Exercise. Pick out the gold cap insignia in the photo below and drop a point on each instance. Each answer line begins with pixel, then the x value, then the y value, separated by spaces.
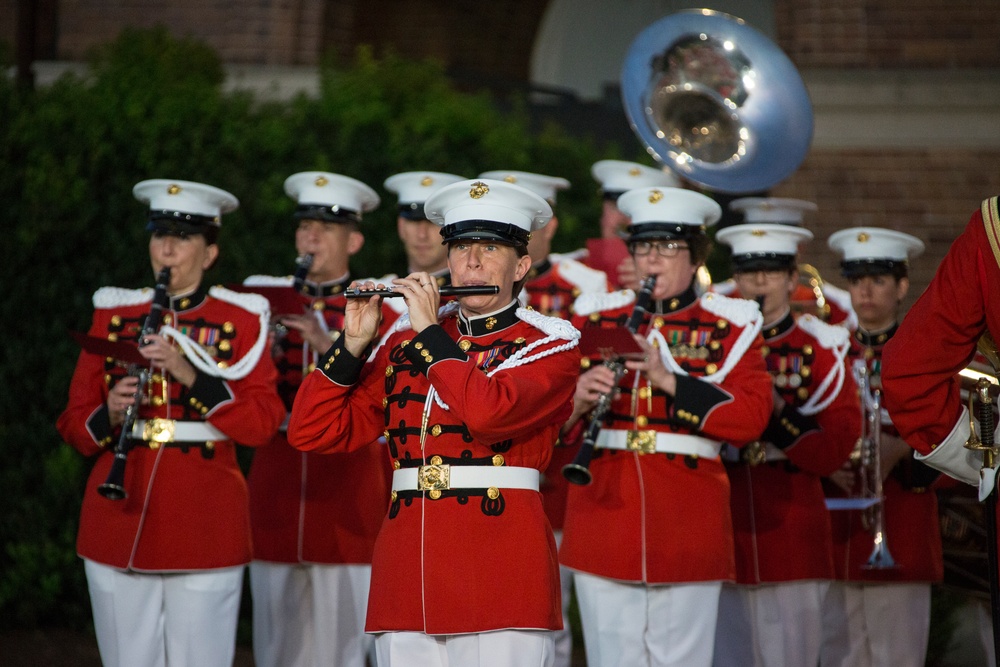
pixel 634 171
pixel 426 180
pixel 863 237
pixel 510 178
pixel 478 190
pixel 490 323
pixel 758 232
pixel 655 196
pixel 174 189
pixel 321 181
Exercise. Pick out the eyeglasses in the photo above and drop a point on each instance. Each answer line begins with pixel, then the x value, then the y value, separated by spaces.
pixel 663 248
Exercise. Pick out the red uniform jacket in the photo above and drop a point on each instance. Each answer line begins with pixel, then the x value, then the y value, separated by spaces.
pixel 832 305
pixel 552 287
pixel 187 508
pixel 912 530
pixel 307 508
pixel 663 517
pixel 779 508
pixel 464 562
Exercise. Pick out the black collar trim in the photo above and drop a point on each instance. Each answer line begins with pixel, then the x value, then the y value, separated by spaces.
pixel 187 301
pixel 491 323
pixel 782 327
pixel 676 303
pixel 875 338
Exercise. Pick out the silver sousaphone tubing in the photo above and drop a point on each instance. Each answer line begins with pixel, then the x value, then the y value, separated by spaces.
pixel 717 102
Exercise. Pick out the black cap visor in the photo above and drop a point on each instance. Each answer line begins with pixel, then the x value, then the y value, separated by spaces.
pixel 485 230
pixel 859 268
pixel 762 261
pixel 326 213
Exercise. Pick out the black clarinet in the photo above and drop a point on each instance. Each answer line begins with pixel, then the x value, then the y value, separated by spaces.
pixel 113 487
pixel 578 471
pixel 303 263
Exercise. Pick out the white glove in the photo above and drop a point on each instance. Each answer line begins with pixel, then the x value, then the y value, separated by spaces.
pixel 953 459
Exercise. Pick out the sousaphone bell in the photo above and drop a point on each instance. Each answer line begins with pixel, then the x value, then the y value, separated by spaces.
pixel 717 102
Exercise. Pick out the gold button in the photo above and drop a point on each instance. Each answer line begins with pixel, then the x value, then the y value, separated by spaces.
pixel 658 323
pixel 765 350
pixel 385 434
pixel 209 445
pixel 802 393
pixel 493 493
pixel 107 378
pixel 167 319
pixel 185 303
pixel 405 343
pixel 396 465
pixel 436 460
pixel 805 371
pixel 388 371
pixel 436 430
pixel 594 317
pixel 641 421
pixel 584 363
pixel 157 400
pixel 153 444
pixel 228 327
pixel 318 305
pixel 392 497
pixel 519 340
pixel 336 353
pixel 224 346
pixel 434 494
pixel 429 358
pixel 714 345
pixel 418 346
pixel 721 324
pixel 807 349
pixel 465 345
pixel 385 402
pixel 674 303
pixel 311 367
pixel 116 320
pixel 711 368
pixel 644 392
pixel 498 459
pixel 695 419
pixel 222 364
pixel 112 337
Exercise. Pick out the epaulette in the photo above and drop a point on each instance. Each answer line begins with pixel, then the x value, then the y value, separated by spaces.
pixel 829 336
pixel 725 288
pixel 594 302
pixel 268 281
pixel 582 276
pixel 548 325
pixel 740 312
pixel 578 254
pixel 842 299
pixel 255 303
pixel 114 297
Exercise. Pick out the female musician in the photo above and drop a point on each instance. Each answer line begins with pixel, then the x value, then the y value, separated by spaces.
pixel 165 564
pixel 464 570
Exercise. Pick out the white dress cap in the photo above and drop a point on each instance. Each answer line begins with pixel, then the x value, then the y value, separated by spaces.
pixel 486 209
pixel 545 187
pixel 185 198
pixel 414 187
pixel 617 176
pixel 344 197
pixel 874 243
pixel 763 246
pixel 772 209
pixel 673 205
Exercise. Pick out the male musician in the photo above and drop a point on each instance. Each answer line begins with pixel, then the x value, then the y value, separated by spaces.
pixel 608 253
pixel 832 304
pixel 421 238
pixel 650 539
pixel 784 558
pixel 165 564
pixel 937 339
pixel 315 518
pixel 465 569
pixel 553 283
pixel 881 616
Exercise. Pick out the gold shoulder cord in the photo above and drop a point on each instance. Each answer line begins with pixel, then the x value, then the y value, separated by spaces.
pixel 991 220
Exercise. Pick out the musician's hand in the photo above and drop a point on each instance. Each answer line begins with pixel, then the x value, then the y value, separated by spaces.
pixel 652 367
pixel 362 319
pixel 309 327
pixel 628 277
pixel 893 449
pixel 422 299
pixel 845 479
pixel 120 397
pixel 164 355
pixel 589 388
pixel 779 402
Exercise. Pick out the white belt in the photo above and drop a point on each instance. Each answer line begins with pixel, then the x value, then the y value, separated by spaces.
pixel 445 476
pixel 649 442
pixel 172 430
pixel 753 453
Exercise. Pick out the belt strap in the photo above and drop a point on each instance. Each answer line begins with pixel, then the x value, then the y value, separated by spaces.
pixel 754 453
pixel 173 430
pixel 649 442
pixel 444 476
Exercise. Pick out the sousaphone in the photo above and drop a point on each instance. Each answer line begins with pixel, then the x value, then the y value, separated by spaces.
pixel 717 102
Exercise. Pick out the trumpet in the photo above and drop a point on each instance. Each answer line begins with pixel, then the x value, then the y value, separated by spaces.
pixel 447 290
pixel 870 469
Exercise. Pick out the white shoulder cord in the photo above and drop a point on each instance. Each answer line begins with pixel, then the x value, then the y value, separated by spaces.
pixel 735 353
pixel 204 362
pixel 817 402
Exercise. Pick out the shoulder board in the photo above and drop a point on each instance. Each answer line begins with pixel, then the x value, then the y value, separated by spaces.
pixel 593 302
pixel 583 277
pixel 741 312
pixel 255 303
pixel 113 297
pixel 990 210
pixel 829 336
pixel 550 326
pixel 268 281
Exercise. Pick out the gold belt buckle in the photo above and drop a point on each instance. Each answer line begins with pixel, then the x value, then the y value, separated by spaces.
pixel 643 442
pixel 434 478
pixel 755 453
pixel 158 430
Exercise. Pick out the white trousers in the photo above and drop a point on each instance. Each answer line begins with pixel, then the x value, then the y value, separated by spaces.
pixel 310 615
pixel 564 637
pixel 876 625
pixel 500 648
pixel 165 620
pixel 635 625
pixel 772 625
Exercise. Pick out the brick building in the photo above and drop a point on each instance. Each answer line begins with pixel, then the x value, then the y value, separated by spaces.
pixel 904 91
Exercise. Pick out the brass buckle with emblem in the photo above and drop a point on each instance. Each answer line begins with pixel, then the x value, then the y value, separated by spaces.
pixel 434 479
pixel 754 453
pixel 643 442
pixel 158 431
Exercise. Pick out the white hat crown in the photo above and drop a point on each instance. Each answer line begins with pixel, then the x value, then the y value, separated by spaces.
pixel 621 176
pixel 544 186
pixel 186 197
pixel 669 205
pixel 321 188
pixel 414 187
pixel 773 209
pixel 875 243
pixel 495 204
pixel 752 239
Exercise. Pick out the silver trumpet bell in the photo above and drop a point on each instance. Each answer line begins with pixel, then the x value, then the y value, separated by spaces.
pixel 716 101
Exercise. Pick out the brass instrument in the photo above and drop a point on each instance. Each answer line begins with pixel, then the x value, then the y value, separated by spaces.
pixel 113 487
pixel 716 101
pixel 870 469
